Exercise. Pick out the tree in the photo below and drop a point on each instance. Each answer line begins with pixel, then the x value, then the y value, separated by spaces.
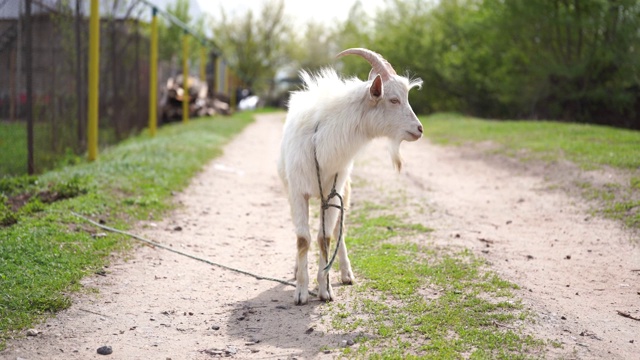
pixel 170 35
pixel 255 45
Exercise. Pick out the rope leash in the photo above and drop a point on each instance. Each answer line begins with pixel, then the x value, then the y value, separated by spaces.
pixel 153 243
pixel 325 206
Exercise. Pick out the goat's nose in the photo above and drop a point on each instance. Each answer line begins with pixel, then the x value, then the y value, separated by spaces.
pixel 420 128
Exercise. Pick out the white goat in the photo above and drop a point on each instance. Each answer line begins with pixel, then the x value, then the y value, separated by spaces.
pixel 332 119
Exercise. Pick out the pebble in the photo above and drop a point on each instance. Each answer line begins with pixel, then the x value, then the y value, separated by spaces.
pixel 105 350
pixel 215 327
pixel 32 332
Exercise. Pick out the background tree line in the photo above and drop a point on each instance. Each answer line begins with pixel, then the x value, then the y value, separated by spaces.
pixel 570 60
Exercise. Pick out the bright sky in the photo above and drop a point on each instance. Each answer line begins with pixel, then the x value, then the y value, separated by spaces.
pixel 301 11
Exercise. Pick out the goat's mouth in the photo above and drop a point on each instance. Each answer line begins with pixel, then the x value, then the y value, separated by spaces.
pixel 413 136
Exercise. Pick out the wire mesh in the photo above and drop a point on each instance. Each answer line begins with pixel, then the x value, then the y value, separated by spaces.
pixel 59 72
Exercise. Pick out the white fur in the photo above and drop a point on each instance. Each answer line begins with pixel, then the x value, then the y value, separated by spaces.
pixel 348 115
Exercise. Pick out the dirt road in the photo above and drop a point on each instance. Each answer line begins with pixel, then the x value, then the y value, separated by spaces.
pixel 574 270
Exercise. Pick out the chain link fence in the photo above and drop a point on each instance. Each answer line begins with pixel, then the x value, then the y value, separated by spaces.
pixel 59 53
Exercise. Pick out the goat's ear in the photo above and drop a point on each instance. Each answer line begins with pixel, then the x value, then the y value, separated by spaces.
pixel 376 90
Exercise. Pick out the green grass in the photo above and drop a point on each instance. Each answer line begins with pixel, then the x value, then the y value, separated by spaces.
pixel 585 145
pixel 416 302
pixel 46 251
pixel 589 146
pixel 13 147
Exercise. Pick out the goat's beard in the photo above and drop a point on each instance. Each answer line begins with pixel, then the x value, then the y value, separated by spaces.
pixel 394 151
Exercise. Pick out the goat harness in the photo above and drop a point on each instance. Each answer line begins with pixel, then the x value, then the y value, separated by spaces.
pixel 325 206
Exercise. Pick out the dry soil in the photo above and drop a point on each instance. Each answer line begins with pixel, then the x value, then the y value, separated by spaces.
pixel 575 270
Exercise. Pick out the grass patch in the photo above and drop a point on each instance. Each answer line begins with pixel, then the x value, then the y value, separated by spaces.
pixel 589 146
pixel 583 144
pixel 13 147
pixel 417 302
pixel 44 251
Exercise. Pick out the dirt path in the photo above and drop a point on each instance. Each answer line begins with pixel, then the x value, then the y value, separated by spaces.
pixel 158 305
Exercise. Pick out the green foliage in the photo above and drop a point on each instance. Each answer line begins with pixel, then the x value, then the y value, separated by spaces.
pixel 255 45
pixel 569 60
pixel 170 35
pixel 47 252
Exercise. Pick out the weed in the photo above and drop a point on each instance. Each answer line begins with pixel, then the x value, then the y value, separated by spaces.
pixel 473 315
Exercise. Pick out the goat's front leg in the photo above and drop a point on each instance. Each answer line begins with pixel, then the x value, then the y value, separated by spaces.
pixel 346 274
pixel 325 291
pixel 300 215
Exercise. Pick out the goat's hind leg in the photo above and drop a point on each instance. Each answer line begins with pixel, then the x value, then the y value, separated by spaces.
pixel 346 274
pixel 325 291
pixel 300 214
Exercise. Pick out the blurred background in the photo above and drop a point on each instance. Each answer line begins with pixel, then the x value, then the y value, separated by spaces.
pixel 566 60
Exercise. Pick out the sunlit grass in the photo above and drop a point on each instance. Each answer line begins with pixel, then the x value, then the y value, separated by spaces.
pixel 586 145
pixel 45 252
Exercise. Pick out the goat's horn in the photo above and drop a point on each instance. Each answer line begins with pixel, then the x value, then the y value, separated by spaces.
pixel 378 63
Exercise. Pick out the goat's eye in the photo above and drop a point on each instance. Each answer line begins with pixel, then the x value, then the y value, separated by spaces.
pixel 395 101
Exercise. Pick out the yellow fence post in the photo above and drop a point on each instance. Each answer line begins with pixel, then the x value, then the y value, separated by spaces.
pixel 218 72
pixel 94 74
pixel 185 78
pixel 153 74
pixel 226 79
pixel 233 87
pixel 203 63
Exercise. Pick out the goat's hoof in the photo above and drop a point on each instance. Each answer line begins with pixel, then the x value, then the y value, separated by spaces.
pixel 326 295
pixel 347 278
pixel 300 297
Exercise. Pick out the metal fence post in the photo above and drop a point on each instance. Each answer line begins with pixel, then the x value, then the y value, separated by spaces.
pixel 29 71
pixel 185 77
pixel 203 62
pixel 153 74
pixel 94 74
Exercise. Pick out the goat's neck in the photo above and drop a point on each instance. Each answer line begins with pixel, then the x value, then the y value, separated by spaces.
pixel 338 142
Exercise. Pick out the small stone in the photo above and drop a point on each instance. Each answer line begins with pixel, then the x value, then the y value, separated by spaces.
pixel 32 332
pixel 327 351
pixel 632 341
pixel 282 307
pixel 254 350
pixel 215 327
pixel 343 343
pixel 177 228
pixel 350 342
pixel 563 317
pixel 190 313
pixel 568 257
pixel 105 350
pixel 309 331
